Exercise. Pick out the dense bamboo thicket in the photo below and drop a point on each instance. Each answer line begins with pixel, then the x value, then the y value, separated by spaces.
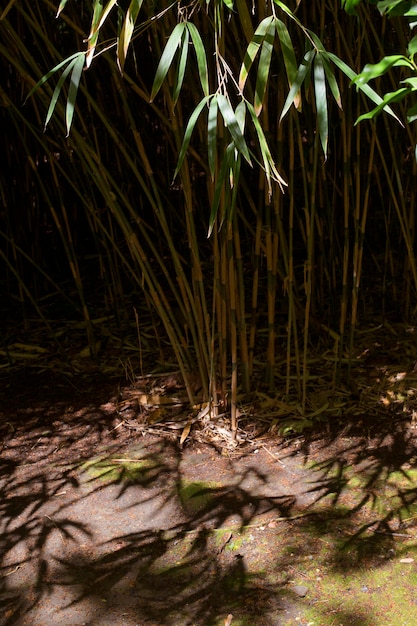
pixel 221 200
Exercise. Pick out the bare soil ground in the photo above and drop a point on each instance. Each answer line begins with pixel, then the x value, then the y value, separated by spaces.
pixel 104 524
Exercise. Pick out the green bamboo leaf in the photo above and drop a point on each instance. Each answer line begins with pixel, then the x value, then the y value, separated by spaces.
pixel 201 57
pixel 403 8
pixel 303 69
pixel 321 102
pixel 412 46
pixel 94 33
pixel 127 31
pixel 167 58
pixel 229 4
pixel 51 72
pixel 241 115
pixel 228 159
pixel 212 136
pixel 73 90
pixel 412 114
pixel 375 70
pixel 57 90
pixel 182 64
pixel 232 124
pixel 96 25
pixel 366 89
pixel 287 48
pixel 189 131
pixel 331 79
pixel 412 82
pixel 264 67
pixel 270 169
pixel 244 18
pixel 392 96
pixel 350 6
pixel 253 49
pixel 61 7
pixel 386 5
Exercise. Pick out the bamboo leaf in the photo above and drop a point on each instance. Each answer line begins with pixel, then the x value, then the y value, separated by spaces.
pixel 264 67
pixel 375 70
pixel 189 131
pixel 253 49
pixel 96 25
pixel 350 6
pixel 61 7
pixel 331 79
pixel 412 46
pixel 51 72
pixel 366 89
pixel 229 4
pixel 73 90
pixel 412 114
pixel 201 57
pixel 287 48
pixel 393 96
pixel 244 18
pixel 57 91
pixel 298 81
pixel 167 58
pixel 224 169
pixel 179 79
pixel 270 169
pixel 212 135
pixel 321 102
pixel 127 31
pixel 94 32
pixel 232 124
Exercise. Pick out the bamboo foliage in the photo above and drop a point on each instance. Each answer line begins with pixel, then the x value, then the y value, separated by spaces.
pixel 208 152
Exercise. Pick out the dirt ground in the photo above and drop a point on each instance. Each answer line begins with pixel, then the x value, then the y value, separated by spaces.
pixel 106 524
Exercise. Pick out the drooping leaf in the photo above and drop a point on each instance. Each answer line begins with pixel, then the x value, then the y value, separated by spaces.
pixel 104 13
pixel 57 90
pixel 51 72
pixel 412 113
pixel 321 102
pixel 331 79
pixel 189 131
pixel 229 4
pixel 94 32
pixel 264 67
pixel 270 169
pixel 287 48
pixel 366 89
pixel 182 63
pixel 392 96
pixel 212 136
pixel 303 69
pixel 232 124
pixel 127 31
pixel 388 5
pixel 167 57
pixel 61 7
pixel 350 6
pixel 226 164
pixel 253 49
pixel 412 46
pixel 375 70
pixel 73 90
pixel 244 18
pixel 201 57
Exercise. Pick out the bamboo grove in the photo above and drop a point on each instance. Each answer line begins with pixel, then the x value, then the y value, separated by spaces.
pixel 201 167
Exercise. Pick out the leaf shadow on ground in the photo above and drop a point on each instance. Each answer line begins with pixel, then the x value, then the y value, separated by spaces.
pixel 125 544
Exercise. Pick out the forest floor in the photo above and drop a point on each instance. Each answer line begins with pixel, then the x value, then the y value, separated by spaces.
pixel 106 520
